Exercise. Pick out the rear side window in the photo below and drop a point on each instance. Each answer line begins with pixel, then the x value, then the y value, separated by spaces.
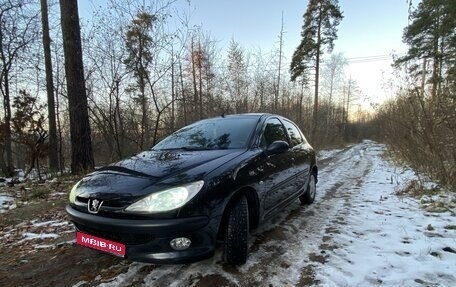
pixel 273 131
pixel 293 132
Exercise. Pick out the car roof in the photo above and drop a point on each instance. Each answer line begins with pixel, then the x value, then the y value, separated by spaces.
pixel 246 115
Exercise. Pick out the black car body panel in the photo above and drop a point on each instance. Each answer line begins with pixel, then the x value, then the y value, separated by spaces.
pixel 229 166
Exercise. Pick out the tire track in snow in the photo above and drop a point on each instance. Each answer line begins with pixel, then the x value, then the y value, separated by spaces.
pixel 285 250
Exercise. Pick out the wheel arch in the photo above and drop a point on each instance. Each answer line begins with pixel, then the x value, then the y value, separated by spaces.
pixel 253 206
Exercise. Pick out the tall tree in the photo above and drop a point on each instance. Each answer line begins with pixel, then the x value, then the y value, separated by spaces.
pixel 81 144
pixel 431 38
pixel 138 43
pixel 237 82
pixel 202 73
pixel 53 151
pixel 318 32
pixel 16 34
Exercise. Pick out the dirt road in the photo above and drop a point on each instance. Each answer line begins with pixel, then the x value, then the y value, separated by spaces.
pixel 302 246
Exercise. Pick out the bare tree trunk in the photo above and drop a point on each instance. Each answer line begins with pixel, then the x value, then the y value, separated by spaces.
pixel 173 96
pixel 9 170
pixel 53 152
pixel 195 89
pixel 59 126
pixel 81 144
pixel 276 100
pixel 301 97
pixel 117 119
pixel 200 80
pixel 184 103
pixel 317 76
pixel 348 101
pixel 423 76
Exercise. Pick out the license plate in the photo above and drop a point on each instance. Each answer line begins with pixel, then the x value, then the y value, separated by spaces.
pixel 101 244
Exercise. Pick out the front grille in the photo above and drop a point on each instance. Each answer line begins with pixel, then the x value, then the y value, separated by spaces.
pixel 125 238
pixel 106 203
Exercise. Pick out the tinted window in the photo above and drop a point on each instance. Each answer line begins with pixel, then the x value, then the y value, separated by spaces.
pixel 273 132
pixel 293 132
pixel 220 133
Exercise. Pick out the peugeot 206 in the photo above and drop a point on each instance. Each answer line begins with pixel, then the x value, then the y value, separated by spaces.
pixel 211 182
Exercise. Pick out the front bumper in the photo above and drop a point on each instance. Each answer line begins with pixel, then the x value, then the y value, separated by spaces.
pixel 148 240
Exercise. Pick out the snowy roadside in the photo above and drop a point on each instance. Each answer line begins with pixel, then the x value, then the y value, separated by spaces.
pixel 389 240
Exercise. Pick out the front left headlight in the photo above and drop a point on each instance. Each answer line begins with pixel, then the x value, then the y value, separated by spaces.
pixel 166 200
pixel 72 196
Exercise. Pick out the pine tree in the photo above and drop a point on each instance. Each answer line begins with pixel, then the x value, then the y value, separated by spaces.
pixel 138 42
pixel 237 77
pixel 318 32
pixel 431 38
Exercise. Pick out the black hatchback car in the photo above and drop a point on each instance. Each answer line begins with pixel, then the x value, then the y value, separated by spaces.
pixel 216 179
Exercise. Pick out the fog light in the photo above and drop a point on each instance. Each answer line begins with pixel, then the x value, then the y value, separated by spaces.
pixel 180 243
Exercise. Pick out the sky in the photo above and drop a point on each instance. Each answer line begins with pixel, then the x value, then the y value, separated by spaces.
pixel 369 34
pixel 371 30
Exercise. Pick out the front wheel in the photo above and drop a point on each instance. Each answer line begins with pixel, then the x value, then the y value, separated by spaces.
pixel 309 196
pixel 237 233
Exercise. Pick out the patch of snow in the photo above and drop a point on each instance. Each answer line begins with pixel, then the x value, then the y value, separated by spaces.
pixel 43 223
pixel 6 203
pixel 80 283
pixel 33 236
pixel 43 246
pixel 60 223
pixel 324 154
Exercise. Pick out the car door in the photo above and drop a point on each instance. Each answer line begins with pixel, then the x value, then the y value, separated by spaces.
pixel 279 182
pixel 301 155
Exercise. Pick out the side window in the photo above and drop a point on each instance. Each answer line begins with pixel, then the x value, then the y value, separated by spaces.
pixel 293 132
pixel 273 131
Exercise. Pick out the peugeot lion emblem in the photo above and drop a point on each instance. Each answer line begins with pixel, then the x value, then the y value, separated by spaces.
pixel 94 205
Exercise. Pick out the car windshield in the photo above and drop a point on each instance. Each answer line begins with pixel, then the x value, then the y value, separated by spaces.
pixel 220 133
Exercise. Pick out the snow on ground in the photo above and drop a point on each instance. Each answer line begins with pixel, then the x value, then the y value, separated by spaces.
pixel 6 203
pixel 33 236
pixel 387 240
pixel 36 234
pixel 326 154
pixel 357 233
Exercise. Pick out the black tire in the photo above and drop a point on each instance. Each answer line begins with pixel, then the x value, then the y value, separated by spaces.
pixel 309 196
pixel 235 246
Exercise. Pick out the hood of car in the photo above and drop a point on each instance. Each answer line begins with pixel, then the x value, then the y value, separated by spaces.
pixel 150 171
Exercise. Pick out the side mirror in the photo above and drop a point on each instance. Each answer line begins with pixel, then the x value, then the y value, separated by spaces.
pixel 277 147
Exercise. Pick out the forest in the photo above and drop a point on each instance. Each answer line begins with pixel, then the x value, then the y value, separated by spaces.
pixel 80 94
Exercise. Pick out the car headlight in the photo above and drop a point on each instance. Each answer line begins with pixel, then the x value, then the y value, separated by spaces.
pixel 72 196
pixel 166 200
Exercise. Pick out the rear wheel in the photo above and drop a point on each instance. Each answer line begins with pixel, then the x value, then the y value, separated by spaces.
pixel 309 196
pixel 236 233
